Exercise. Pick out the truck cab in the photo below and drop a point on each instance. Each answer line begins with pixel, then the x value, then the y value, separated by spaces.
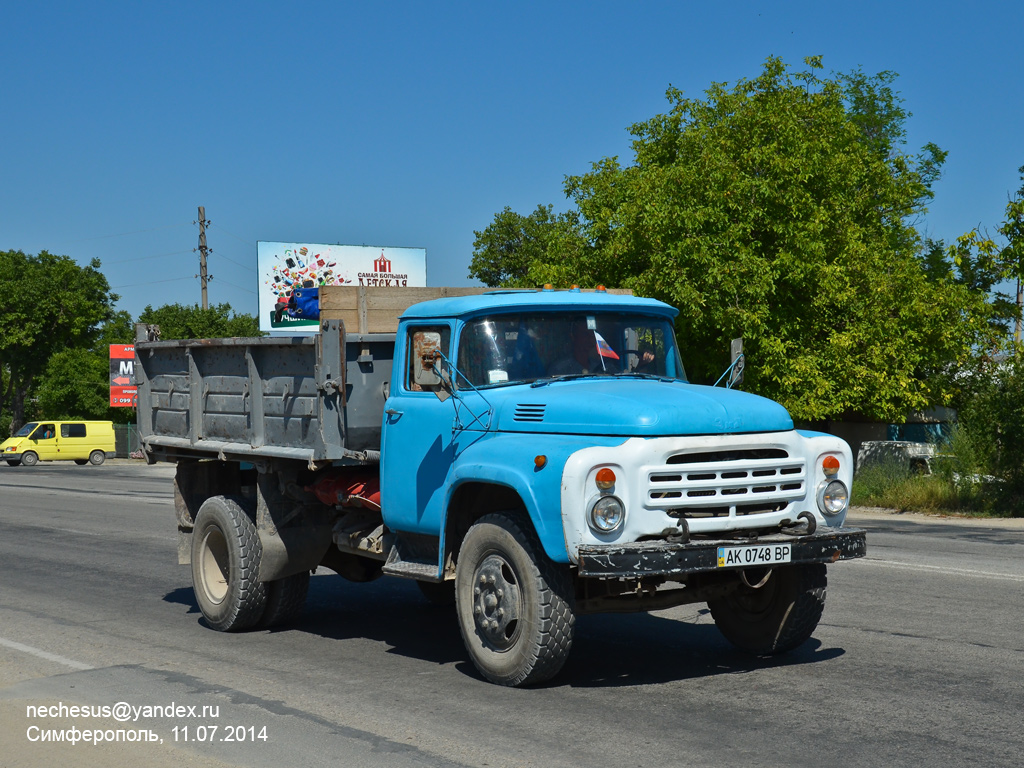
pixel 568 417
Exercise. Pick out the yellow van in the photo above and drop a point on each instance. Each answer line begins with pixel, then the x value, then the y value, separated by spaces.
pixel 82 442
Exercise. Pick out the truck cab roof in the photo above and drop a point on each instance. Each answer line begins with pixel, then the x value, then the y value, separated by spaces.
pixel 537 299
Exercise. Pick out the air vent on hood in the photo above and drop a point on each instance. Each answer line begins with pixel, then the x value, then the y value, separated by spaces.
pixel 529 412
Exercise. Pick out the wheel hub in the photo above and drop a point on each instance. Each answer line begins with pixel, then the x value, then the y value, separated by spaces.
pixel 214 566
pixel 497 602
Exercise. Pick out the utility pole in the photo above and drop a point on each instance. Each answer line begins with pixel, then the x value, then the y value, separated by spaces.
pixel 203 278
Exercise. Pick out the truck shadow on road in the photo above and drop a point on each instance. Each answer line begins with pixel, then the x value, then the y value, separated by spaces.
pixel 609 650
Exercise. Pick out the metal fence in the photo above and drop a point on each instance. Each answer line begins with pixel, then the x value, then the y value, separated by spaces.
pixel 126 441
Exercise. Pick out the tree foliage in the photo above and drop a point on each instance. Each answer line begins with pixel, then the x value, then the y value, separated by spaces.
pixel 992 415
pixel 780 209
pixel 48 303
pixel 178 321
pixel 505 252
pixel 76 383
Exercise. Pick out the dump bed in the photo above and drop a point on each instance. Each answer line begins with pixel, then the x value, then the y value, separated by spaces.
pixel 314 398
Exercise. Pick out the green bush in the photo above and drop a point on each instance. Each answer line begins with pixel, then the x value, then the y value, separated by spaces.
pixel 895 485
pixel 992 437
pixel 971 474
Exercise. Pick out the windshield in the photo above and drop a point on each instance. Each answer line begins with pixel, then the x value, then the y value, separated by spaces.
pixel 27 429
pixel 527 347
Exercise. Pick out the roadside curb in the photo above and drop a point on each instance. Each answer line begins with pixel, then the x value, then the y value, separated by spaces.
pixel 881 513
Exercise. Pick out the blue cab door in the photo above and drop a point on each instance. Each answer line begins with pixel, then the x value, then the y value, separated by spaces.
pixel 419 444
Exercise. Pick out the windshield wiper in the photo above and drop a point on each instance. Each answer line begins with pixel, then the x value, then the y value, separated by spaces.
pixel 565 377
pixel 639 375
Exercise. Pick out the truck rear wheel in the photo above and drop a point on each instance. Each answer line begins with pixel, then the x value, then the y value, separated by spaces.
pixel 97 457
pixel 515 606
pixel 226 555
pixel 777 616
pixel 285 599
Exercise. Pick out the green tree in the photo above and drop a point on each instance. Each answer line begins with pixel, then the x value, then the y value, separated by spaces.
pixel 48 303
pixel 1012 254
pixel 992 414
pixel 76 383
pixel 781 209
pixel 178 321
pixel 504 252
pixel 979 262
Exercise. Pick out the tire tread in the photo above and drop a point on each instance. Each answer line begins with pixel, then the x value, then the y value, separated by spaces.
pixel 247 596
pixel 557 617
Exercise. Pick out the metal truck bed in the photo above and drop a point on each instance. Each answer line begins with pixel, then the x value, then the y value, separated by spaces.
pixel 317 398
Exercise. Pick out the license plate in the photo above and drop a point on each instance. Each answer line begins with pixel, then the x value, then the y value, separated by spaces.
pixel 762 554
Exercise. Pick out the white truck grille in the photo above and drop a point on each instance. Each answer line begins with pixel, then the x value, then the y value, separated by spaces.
pixel 727 482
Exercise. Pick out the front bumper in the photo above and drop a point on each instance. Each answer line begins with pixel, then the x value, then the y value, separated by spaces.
pixel 655 558
pixel 10 456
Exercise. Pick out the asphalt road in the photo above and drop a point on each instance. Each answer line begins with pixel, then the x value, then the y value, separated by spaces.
pixel 919 659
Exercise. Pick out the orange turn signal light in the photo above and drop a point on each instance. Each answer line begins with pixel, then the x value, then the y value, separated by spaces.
pixel 540 461
pixel 830 466
pixel 605 479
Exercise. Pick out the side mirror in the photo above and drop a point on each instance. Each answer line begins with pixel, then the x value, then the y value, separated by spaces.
pixel 736 356
pixel 425 345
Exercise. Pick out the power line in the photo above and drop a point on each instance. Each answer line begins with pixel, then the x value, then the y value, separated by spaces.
pixel 152 283
pixel 226 258
pixel 240 239
pixel 124 234
pixel 225 282
pixel 143 258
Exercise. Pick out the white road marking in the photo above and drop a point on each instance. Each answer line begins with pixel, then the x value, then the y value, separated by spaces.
pixel 44 654
pixel 944 569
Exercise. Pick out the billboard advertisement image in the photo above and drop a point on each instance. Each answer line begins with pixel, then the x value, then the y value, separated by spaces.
pixel 289 271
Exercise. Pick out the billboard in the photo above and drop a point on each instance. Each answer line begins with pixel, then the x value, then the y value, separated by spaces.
pixel 283 267
pixel 122 376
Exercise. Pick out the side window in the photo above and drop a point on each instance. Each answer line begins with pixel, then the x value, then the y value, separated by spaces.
pixel 422 364
pixel 72 430
pixel 45 432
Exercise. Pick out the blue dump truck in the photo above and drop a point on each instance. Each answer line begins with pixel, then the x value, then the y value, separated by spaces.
pixel 527 456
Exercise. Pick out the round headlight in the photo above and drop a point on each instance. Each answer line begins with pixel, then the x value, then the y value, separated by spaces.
pixel 833 498
pixel 607 514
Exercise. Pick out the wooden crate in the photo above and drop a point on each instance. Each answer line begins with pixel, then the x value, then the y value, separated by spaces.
pixel 375 309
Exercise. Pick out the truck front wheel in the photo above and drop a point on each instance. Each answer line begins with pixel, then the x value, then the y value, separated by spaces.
pixel 515 606
pixel 776 616
pixel 226 555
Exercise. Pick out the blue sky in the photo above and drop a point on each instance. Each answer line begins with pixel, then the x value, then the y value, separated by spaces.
pixel 411 124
